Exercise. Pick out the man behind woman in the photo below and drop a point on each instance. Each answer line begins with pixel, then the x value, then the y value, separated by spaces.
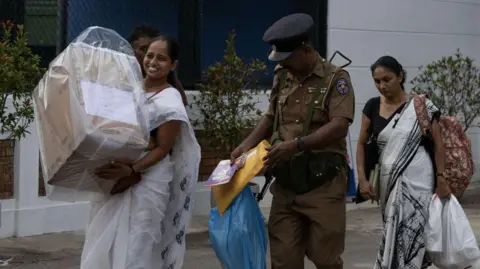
pixel 145 226
pixel 411 167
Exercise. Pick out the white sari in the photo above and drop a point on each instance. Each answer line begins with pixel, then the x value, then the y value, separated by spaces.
pixel 145 227
pixel 406 187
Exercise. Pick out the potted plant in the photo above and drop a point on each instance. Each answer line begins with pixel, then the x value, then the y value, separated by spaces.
pixel 453 85
pixel 226 102
pixel 19 73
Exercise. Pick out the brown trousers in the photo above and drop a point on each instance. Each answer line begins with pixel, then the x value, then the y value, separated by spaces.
pixel 311 224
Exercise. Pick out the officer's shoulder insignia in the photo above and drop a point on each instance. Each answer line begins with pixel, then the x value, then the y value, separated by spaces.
pixel 277 68
pixel 342 86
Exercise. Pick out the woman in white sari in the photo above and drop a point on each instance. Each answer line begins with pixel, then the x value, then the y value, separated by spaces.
pixel 408 176
pixel 145 226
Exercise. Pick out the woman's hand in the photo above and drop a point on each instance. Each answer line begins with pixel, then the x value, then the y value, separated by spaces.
pixel 443 190
pixel 366 190
pixel 114 170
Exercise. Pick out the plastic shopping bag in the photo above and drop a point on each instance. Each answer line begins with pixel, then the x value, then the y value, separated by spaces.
pixel 239 236
pixel 433 229
pixel 459 248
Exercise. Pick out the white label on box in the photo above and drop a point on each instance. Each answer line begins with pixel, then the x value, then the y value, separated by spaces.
pixel 108 102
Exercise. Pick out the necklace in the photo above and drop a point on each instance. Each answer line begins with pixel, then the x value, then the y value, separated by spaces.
pixel 158 90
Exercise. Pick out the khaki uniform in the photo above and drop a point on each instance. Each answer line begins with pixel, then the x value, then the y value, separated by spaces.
pixel 313 223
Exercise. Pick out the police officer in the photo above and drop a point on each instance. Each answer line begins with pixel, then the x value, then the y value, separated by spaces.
pixel 311 106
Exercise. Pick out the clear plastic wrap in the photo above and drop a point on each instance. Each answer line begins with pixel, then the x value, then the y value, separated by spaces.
pixel 89 109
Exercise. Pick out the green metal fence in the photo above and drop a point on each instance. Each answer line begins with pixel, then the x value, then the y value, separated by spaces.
pixel 41 22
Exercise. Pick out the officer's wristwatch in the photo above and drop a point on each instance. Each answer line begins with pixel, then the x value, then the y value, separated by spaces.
pixel 300 144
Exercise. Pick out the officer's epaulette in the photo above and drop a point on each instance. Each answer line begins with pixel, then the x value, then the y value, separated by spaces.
pixel 281 72
pixel 277 69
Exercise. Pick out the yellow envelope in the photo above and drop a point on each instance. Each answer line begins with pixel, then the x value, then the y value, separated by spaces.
pixel 225 193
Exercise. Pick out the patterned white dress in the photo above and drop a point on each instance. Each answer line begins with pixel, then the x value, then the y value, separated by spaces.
pixel 145 227
pixel 406 187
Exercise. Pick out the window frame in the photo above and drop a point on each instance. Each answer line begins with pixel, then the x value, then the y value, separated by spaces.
pixel 189 38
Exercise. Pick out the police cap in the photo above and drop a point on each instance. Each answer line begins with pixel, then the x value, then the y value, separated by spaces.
pixel 288 34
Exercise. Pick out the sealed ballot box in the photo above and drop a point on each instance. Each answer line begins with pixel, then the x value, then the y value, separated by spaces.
pixel 89 110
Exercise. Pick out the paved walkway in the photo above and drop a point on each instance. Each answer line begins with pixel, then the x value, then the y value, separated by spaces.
pixel 62 251
pixel 200 223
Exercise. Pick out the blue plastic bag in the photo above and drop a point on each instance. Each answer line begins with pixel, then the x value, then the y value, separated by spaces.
pixel 239 237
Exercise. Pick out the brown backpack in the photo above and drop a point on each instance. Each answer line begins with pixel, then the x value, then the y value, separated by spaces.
pixel 459 165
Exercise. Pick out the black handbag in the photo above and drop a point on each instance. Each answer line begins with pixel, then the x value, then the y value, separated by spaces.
pixel 371 156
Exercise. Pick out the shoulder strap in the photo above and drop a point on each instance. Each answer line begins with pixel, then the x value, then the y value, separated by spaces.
pixel 320 93
pixel 282 75
pixel 419 102
pixel 375 110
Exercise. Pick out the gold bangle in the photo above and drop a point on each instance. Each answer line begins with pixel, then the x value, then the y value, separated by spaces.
pixel 133 170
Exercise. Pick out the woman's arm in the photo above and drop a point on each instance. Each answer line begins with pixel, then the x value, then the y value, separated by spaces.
pixel 166 135
pixel 365 188
pixel 151 143
pixel 439 151
pixel 362 140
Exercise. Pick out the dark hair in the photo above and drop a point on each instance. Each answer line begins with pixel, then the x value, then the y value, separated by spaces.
pixel 172 46
pixel 392 64
pixel 142 30
pixel 173 52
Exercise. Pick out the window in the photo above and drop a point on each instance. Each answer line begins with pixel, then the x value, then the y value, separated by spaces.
pixel 189 30
pixel 250 19
pixel 203 43
pixel 122 15
pixel 41 21
pixel 201 26
pixel 12 10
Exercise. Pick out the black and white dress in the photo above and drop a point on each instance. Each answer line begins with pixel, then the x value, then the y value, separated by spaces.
pixel 406 186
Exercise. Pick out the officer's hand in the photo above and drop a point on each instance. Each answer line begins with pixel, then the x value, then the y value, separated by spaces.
pixel 280 153
pixel 366 190
pixel 237 153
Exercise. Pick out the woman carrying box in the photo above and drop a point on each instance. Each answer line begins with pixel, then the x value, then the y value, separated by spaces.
pixel 144 227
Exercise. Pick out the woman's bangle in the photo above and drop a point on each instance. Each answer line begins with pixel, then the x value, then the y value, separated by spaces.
pixel 442 174
pixel 133 170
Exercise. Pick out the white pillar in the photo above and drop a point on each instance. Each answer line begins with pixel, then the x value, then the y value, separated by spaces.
pixel 29 214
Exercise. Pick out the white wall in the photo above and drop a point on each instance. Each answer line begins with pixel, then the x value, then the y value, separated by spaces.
pixel 415 32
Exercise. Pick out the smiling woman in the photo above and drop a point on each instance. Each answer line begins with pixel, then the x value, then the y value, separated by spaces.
pixel 161 61
pixel 140 39
pixel 152 216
